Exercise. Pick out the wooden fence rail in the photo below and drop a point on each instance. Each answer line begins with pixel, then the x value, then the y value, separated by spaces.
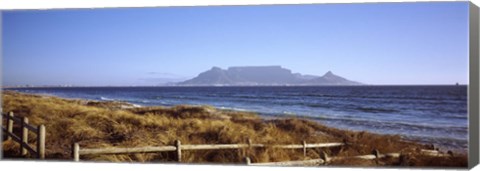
pixel 323 159
pixel 312 162
pixel 178 148
pixel 25 148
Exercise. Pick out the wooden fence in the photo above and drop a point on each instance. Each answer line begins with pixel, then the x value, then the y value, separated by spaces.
pixel 25 147
pixel 178 148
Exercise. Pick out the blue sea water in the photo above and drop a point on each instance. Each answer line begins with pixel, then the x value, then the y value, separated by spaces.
pixel 429 114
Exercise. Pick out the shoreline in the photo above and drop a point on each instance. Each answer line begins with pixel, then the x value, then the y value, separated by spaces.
pixel 192 120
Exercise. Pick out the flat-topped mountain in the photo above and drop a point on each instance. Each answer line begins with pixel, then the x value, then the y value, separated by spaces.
pixel 263 76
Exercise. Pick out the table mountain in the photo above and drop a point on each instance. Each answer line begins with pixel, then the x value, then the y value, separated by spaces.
pixel 262 76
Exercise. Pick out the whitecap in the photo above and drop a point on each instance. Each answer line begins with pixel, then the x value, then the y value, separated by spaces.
pixel 106 99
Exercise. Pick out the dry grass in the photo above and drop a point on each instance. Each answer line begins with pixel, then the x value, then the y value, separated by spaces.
pixel 107 124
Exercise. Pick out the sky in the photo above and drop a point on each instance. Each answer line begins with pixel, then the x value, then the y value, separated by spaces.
pixel 373 43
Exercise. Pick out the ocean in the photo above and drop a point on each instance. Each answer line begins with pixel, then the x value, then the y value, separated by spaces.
pixel 428 114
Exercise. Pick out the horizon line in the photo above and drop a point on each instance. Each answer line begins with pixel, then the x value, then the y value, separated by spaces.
pixel 119 86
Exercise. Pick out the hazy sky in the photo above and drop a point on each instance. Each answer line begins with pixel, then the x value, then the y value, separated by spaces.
pixel 385 43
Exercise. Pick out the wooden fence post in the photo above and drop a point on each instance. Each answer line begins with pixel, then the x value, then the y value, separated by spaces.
pixel 376 153
pixel 304 148
pixel 9 125
pixel 325 157
pixel 249 151
pixel 41 142
pixel 244 149
pixel 178 145
pixel 24 136
pixel 248 161
pixel 76 152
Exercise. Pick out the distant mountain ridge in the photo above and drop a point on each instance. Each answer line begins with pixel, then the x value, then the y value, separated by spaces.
pixel 262 76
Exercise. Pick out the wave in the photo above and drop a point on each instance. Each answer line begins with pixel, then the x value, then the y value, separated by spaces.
pixel 105 99
pixel 234 109
pixel 390 97
pixel 243 97
pixel 317 105
pixel 376 110
pixel 361 109
pixel 136 105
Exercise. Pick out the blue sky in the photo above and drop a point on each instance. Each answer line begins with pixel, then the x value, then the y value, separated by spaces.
pixel 374 43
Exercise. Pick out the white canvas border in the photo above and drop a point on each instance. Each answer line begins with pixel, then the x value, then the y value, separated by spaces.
pixel 63 4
